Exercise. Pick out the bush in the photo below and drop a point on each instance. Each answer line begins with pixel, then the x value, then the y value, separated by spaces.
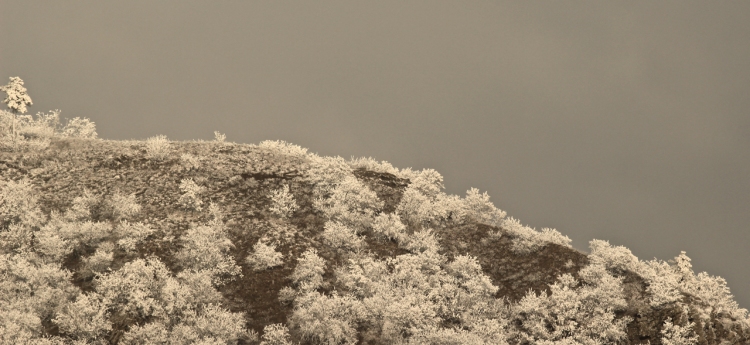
pixel 219 137
pixel 339 236
pixel 351 203
pixel 283 204
pixel 84 319
pixel 79 128
pixel 480 209
pixel 276 334
pixel 191 192
pixel 676 335
pixel 99 262
pixel 525 239
pixel 135 290
pixel 618 259
pixel 18 204
pixel 82 206
pixel 284 148
pixel 121 206
pixel 389 227
pixel 189 162
pixel 327 319
pixel 264 257
pixel 421 241
pixel 324 173
pixel 131 234
pixel 205 248
pixel 157 147
pixel 371 164
pixel 308 274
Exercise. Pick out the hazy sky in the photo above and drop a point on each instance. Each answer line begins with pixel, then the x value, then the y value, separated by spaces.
pixel 624 121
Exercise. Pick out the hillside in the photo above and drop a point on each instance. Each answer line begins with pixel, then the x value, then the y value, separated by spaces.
pixel 165 242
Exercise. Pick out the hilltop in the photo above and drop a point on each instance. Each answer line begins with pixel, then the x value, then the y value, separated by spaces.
pixel 211 242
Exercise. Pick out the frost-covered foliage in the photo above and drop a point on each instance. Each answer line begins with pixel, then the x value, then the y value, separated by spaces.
pixel 284 148
pixel 16 97
pixel 121 206
pixel 527 240
pixel 282 203
pixel 30 291
pixel 209 325
pixel 403 299
pixel 84 319
pixel 82 205
pixel 18 204
pixel 420 241
pixel 276 334
pixel 135 289
pixel 205 248
pixel 264 257
pixel 219 137
pixel 352 203
pixel 585 314
pixel 339 236
pixel 618 259
pixel 59 237
pixel 100 261
pixel 480 209
pixel 189 162
pixel 388 226
pixel 130 235
pixel 371 164
pixel 673 334
pixel 324 173
pixel 157 147
pixel 79 128
pixel 308 274
pixel 191 193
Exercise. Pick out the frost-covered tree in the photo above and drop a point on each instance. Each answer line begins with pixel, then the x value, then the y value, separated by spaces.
pixel 206 248
pixel 388 226
pixel 16 98
pixel 85 319
pixel 352 203
pixel 276 334
pixel 282 203
pixel 308 274
pixel 264 257
pixel 339 236
pixel 191 193
pixel 19 204
pixel 157 147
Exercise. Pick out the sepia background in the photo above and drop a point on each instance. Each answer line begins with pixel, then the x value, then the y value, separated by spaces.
pixel 624 121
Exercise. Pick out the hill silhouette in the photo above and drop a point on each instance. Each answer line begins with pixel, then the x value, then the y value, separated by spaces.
pixel 210 242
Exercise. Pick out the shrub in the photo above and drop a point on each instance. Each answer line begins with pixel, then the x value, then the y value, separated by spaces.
pixel 157 147
pixel 283 148
pixel 122 206
pixel 351 203
pixel 18 204
pixel 479 208
pixel 85 319
pixel 219 137
pixel 283 204
pixel 388 226
pixel 189 162
pixel 525 239
pixel 276 334
pixel 99 262
pixel 327 319
pixel 308 274
pixel 324 173
pixel 205 248
pixel 82 205
pixel 79 128
pixel 264 257
pixel 371 164
pixel 191 192
pixel 131 234
pixel 677 335
pixel 339 236
pixel 617 258
pixel 135 290
pixel 421 241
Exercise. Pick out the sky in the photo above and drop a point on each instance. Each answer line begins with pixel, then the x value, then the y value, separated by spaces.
pixel 622 121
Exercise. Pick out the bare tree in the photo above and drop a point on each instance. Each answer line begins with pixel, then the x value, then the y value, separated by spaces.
pixel 16 99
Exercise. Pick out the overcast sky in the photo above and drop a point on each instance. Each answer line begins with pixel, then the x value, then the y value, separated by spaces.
pixel 623 121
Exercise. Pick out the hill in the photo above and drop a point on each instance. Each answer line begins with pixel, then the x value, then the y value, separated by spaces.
pixel 164 242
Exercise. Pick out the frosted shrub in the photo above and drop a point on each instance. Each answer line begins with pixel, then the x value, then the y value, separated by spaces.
pixel 157 147
pixel 264 257
pixel 525 239
pixel 205 248
pixel 677 335
pixel 713 291
pixel 308 274
pixel 616 258
pixel 276 334
pixel 339 236
pixel 191 192
pixel 18 204
pixel 450 209
pixel 100 261
pixel 351 203
pixel 327 319
pixel 18 238
pixel 421 241
pixel 122 206
pixel 585 314
pixel 135 290
pixel 389 227
pixel 132 234
pixel 371 164
pixel 219 137
pixel 81 208
pixel 86 318
pixel 479 208
pixel 324 173
pixel 553 236
pixel 283 204
pixel 283 147
pixel 189 162
pixel 79 128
